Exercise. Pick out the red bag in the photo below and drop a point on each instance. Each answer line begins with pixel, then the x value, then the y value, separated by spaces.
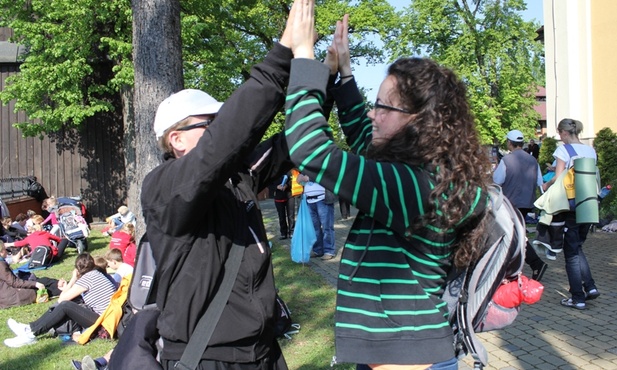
pixel 515 292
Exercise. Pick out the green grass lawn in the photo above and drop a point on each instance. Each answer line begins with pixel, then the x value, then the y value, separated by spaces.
pixel 309 297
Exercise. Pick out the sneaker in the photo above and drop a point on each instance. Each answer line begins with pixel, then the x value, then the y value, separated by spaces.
pixel 283 237
pixel 551 255
pixel 20 341
pixel 327 257
pixel 18 328
pixel 537 274
pixel 315 255
pixel 76 365
pixel 592 294
pixel 87 363
pixel 568 302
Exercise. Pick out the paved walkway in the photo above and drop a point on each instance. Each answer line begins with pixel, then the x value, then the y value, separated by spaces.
pixel 545 335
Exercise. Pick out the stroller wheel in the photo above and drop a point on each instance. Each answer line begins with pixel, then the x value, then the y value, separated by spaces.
pixel 81 246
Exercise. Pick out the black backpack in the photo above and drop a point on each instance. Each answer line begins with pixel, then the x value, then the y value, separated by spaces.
pixel 142 289
pixel 284 327
pixel 41 257
pixel 469 292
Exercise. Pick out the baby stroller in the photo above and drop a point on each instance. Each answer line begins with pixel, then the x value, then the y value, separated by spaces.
pixel 72 224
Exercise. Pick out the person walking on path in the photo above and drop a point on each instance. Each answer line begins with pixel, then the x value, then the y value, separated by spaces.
pixel 418 176
pixel 519 176
pixel 580 279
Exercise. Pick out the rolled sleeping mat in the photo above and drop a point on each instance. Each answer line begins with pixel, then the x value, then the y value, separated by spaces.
pixel 586 197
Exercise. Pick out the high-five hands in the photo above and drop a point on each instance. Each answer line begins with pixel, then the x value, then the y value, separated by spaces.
pixel 337 57
pixel 303 29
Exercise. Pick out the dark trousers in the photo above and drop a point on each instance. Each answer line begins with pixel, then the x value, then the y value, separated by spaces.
pixel 531 257
pixel 61 247
pixel 345 208
pixel 136 348
pixel 58 315
pixel 577 267
pixel 274 361
pixel 286 217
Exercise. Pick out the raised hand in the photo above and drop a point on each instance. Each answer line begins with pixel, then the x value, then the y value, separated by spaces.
pixel 341 44
pixel 286 37
pixel 303 35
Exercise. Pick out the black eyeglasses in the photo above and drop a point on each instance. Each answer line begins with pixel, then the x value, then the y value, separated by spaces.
pixel 390 108
pixel 204 124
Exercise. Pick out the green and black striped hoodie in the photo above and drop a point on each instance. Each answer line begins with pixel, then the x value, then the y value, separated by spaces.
pixel 388 308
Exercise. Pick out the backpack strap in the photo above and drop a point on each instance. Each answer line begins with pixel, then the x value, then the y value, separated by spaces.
pixel 205 327
pixel 571 152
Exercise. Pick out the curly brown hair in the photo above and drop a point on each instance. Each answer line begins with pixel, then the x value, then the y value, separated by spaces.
pixel 442 138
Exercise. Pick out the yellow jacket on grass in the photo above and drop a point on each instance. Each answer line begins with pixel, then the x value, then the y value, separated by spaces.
pixel 112 315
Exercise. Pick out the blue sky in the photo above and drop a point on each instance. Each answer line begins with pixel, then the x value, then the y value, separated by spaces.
pixel 370 77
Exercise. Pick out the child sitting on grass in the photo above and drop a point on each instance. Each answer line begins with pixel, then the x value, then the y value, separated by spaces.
pixel 115 262
pixel 124 240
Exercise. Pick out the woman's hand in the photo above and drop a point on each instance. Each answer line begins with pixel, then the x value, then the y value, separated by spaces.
pixel 61 284
pixel 303 36
pixel 286 37
pixel 341 43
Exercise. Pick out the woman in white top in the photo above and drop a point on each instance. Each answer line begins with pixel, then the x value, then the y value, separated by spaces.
pixel 582 285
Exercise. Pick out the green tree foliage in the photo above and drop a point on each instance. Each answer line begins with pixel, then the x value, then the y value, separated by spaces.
pixel 605 145
pixel 547 149
pixel 80 52
pixel 77 51
pixel 492 49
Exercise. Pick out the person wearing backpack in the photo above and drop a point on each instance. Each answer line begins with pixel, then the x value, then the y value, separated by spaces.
pixel 580 279
pixel 418 176
pixel 201 203
pixel 40 237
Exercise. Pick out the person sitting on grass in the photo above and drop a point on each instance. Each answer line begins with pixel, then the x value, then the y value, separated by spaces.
pixel 89 283
pixel 40 237
pixel 124 240
pixel 116 221
pixel 114 262
pixel 18 292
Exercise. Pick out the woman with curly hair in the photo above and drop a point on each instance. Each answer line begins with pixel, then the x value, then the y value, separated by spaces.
pixel 87 284
pixel 418 176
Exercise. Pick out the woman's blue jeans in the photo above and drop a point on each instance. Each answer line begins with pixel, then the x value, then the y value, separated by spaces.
pixel 577 267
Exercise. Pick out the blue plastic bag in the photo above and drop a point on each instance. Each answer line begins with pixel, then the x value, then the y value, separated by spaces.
pixel 304 234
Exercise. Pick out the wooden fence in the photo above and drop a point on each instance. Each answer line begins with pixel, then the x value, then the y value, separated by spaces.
pixel 87 162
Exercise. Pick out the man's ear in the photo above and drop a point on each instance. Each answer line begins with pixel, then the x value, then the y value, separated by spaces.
pixel 176 141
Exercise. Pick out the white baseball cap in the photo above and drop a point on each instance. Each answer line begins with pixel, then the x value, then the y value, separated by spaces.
pixel 183 104
pixel 515 135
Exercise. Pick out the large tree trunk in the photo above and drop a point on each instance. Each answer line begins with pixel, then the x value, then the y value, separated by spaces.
pixel 157 55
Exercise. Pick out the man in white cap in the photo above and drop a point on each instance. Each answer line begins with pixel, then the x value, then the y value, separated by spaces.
pixel 203 199
pixel 519 174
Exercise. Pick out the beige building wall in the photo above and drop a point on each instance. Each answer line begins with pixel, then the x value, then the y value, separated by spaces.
pixel 580 39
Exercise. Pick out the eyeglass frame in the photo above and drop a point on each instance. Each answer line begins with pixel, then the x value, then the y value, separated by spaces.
pixel 203 124
pixel 378 105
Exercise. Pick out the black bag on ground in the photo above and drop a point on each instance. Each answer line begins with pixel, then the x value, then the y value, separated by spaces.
pixel 283 325
pixel 41 257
